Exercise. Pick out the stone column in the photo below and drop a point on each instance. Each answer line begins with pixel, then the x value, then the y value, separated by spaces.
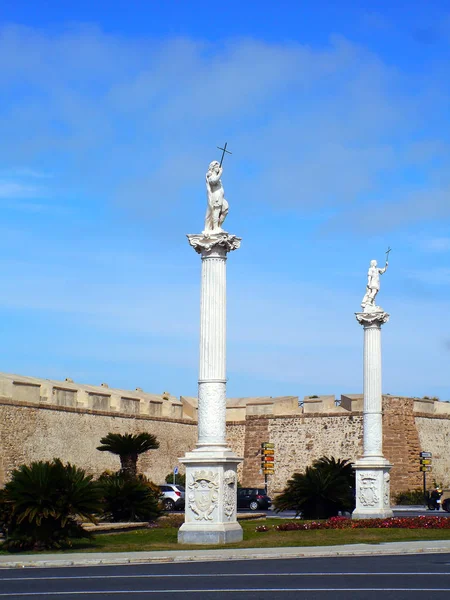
pixel 211 479
pixel 372 470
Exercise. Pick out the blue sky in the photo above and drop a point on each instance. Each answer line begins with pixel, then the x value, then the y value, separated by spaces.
pixel 337 117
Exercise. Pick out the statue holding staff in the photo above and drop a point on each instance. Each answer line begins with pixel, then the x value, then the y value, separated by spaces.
pixel 373 284
pixel 217 207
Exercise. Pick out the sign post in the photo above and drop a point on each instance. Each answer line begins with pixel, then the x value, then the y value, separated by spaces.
pixel 175 473
pixel 425 467
pixel 267 460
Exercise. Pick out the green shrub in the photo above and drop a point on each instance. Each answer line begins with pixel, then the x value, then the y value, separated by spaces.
pixel 41 505
pixel 409 497
pixel 128 499
pixel 180 479
pixel 325 489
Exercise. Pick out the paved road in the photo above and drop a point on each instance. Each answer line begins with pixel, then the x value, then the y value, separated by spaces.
pixel 395 577
pixel 398 512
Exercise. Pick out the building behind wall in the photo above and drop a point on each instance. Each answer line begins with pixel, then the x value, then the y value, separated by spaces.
pixel 42 419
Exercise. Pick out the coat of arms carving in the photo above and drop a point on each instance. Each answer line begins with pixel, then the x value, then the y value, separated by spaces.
pixel 203 494
pixel 368 495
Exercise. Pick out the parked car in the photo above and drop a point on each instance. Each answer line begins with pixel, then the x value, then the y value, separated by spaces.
pixel 173 496
pixel 445 500
pixel 253 498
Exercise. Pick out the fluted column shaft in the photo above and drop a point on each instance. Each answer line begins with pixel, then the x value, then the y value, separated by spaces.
pixel 213 248
pixel 372 435
pixel 372 470
pixel 211 467
pixel 212 369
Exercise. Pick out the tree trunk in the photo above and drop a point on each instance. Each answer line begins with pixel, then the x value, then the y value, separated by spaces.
pixel 129 465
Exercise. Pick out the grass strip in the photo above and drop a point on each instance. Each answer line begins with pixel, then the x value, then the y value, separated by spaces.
pixel 160 539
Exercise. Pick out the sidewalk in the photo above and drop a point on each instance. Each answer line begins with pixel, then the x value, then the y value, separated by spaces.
pixel 87 559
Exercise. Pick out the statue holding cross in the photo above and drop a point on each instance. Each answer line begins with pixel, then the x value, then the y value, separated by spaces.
pixel 373 285
pixel 217 207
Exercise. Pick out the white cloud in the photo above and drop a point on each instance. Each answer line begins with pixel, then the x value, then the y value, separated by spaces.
pixel 441 244
pixel 439 276
pixel 11 189
pixel 138 120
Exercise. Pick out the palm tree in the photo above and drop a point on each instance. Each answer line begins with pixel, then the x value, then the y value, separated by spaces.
pixel 43 504
pixel 321 492
pixel 126 499
pixel 128 446
pixel 338 467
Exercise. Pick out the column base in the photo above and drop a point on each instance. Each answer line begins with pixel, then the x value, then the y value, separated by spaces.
pixel 210 534
pixel 372 488
pixel 211 497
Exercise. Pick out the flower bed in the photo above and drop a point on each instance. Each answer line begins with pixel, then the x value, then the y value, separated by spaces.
pixel 423 522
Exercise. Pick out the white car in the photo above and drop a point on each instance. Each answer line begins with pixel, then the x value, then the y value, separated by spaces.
pixel 173 496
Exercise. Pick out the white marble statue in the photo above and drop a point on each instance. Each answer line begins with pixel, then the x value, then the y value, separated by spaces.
pixel 217 208
pixel 373 286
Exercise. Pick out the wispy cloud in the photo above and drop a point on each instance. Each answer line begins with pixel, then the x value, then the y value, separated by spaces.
pixel 441 244
pixel 11 190
pixel 127 127
pixel 24 172
pixel 433 276
pixel 312 128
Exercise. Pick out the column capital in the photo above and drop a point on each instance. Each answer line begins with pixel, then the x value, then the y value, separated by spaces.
pixel 209 243
pixel 375 318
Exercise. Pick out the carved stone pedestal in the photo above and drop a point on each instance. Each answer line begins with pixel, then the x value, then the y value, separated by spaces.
pixel 211 485
pixel 211 480
pixel 372 471
pixel 372 490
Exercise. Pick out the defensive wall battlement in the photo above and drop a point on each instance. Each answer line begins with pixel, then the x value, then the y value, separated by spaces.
pixel 137 402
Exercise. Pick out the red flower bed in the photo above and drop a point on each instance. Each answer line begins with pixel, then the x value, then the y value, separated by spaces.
pixel 423 522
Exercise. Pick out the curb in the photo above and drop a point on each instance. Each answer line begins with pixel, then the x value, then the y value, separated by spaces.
pixel 391 549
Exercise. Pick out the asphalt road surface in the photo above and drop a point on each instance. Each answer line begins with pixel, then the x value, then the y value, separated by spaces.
pixel 398 512
pixel 395 577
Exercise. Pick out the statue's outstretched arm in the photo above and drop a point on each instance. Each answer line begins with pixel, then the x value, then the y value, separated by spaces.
pixel 213 178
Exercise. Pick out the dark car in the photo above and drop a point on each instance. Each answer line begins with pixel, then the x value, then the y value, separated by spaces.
pixel 253 498
pixel 445 500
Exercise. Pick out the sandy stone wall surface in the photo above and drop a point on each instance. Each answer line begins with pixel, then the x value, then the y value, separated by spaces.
pixel 401 443
pixel 30 433
pixel 256 432
pixel 434 435
pixel 236 441
pixel 299 440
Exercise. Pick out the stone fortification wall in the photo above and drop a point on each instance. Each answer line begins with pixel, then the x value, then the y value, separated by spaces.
pixel 29 433
pixel 299 440
pixel 41 420
pixel 67 393
pixel 409 426
pixel 401 443
pixel 236 440
pixel 434 436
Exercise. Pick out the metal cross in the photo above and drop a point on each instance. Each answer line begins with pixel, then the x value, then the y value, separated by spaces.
pixel 387 253
pixel 223 153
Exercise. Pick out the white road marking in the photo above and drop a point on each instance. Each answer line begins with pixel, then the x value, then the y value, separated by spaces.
pixel 222 591
pixel 187 575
